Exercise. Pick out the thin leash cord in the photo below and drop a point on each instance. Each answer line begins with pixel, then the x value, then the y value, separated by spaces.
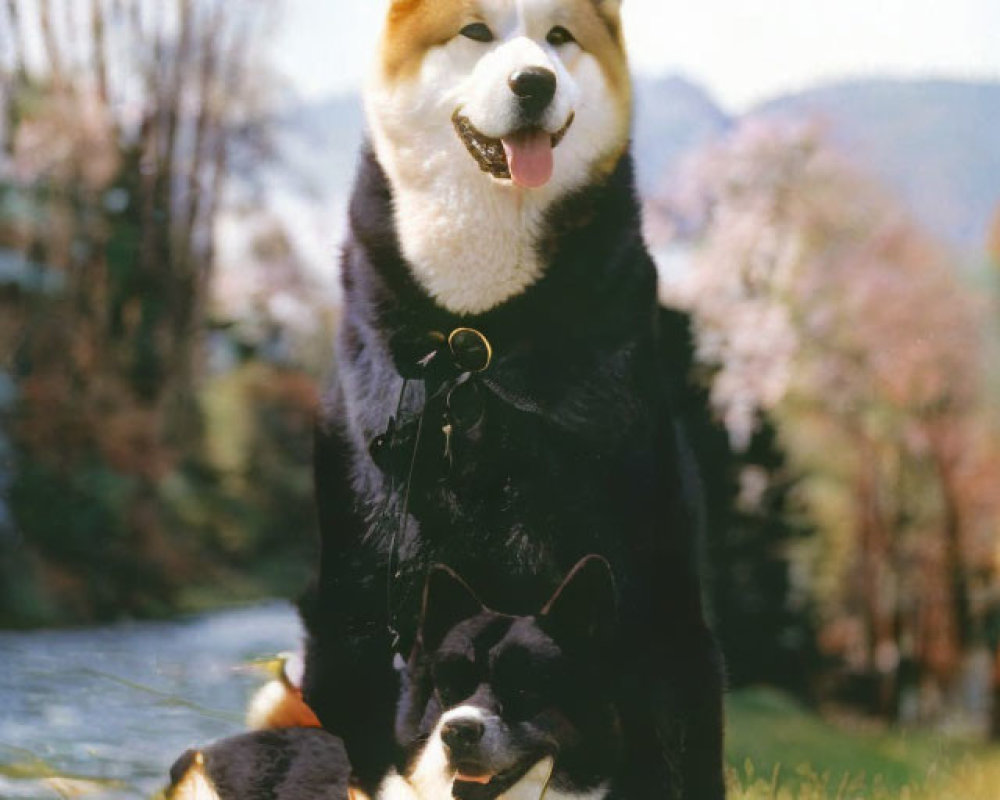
pixel 390 575
pixel 548 780
pixel 383 512
pixel 401 522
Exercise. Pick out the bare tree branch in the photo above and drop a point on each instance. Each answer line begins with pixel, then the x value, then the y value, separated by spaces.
pixel 51 42
pixel 99 46
pixel 16 34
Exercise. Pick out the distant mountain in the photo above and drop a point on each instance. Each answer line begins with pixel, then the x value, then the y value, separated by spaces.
pixel 673 117
pixel 935 143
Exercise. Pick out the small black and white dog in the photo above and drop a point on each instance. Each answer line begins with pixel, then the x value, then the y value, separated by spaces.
pixel 494 707
pixel 501 706
pixel 281 764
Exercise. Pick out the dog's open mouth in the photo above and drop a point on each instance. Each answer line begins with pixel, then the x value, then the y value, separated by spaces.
pixel 469 774
pixel 524 157
pixel 472 783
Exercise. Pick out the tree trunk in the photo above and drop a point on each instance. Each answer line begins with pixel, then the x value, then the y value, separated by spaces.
pixel 99 46
pixel 995 710
pixel 954 566
pixel 51 42
pixel 876 571
pixel 16 38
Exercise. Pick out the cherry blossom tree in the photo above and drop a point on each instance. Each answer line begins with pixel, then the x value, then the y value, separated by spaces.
pixel 822 308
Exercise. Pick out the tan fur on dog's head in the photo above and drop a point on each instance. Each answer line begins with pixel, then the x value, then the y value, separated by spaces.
pixel 415 26
pixel 443 114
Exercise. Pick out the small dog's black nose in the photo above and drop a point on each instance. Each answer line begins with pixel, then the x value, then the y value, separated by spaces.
pixel 462 734
pixel 535 87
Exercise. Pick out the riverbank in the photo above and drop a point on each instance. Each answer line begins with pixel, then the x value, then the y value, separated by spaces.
pixel 103 712
pixel 108 709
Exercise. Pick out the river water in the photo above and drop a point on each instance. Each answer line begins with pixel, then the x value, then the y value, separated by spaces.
pixel 103 712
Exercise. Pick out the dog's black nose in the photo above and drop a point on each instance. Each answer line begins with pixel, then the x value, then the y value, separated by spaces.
pixel 462 734
pixel 535 87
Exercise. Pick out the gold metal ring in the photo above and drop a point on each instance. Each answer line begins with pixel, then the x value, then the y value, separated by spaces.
pixel 487 347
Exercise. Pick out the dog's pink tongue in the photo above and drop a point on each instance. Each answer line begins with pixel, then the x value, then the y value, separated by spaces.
pixel 529 156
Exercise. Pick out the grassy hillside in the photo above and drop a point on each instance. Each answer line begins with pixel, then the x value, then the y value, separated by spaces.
pixel 779 751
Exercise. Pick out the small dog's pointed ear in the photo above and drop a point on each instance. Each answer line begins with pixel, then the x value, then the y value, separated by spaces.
pixel 447 601
pixel 584 609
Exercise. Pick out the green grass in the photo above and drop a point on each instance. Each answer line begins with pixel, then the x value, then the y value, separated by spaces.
pixel 776 749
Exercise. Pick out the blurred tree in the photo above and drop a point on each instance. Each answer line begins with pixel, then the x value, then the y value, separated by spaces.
pixel 821 308
pixel 123 131
pixel 993 239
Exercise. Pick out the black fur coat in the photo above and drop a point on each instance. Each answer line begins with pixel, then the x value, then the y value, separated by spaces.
pixel 569 442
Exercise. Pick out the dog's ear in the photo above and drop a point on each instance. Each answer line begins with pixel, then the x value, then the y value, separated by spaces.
pixel 610 11
pixel 583 612
pixel 447 601
pixel 609 6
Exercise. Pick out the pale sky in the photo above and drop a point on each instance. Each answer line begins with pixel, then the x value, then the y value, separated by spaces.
pixel 743 51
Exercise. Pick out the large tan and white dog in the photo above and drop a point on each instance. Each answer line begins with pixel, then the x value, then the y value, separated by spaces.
pixel 509 396
pixel 533 93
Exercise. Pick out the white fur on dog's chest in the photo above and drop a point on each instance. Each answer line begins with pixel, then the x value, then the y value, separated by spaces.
pixel 473 250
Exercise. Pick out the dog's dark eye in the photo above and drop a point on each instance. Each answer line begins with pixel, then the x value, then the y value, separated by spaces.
pixel 454 680
pixel 523 703
pixel 559 36
pixel 478 32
